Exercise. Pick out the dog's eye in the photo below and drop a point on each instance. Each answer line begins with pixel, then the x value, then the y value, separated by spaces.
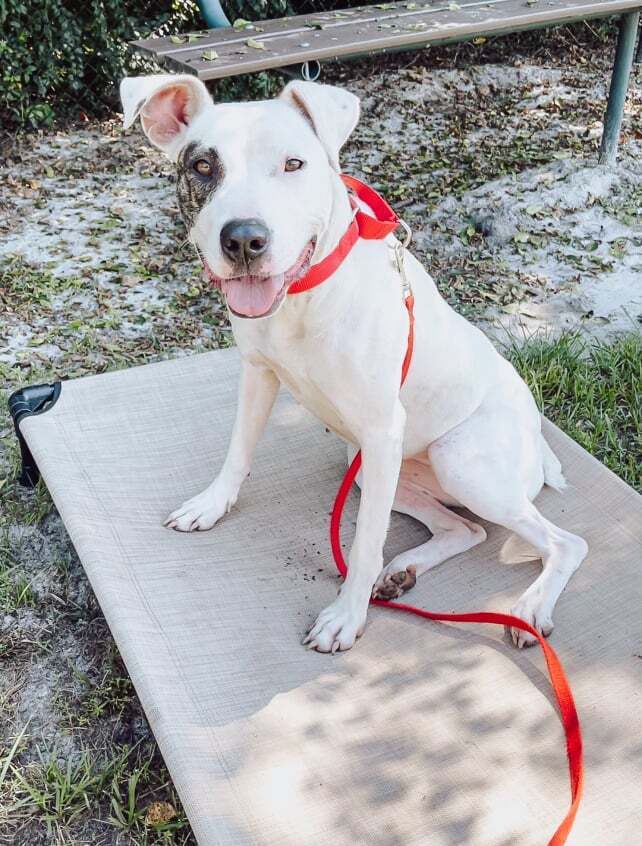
pixel 293 164
pixel 202 167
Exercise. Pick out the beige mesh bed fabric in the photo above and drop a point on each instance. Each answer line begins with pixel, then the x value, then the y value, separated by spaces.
pixel 422 734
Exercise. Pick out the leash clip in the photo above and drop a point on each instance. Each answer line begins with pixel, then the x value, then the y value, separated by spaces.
pixel 399 248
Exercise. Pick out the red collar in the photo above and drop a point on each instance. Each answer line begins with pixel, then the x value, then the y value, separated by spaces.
pixel 362 226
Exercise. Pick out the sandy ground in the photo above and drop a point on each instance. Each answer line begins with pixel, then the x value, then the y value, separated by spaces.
pixel 494 167
pixel 552 245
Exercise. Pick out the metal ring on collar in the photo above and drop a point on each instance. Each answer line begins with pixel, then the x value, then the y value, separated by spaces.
pixel 407 233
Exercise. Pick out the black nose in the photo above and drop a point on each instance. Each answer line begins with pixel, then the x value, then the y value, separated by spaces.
pixel 244 240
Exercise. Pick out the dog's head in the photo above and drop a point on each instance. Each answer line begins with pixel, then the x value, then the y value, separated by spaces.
pixel 255 181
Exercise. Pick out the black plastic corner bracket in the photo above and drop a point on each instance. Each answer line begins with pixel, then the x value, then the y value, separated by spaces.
pixel 34 399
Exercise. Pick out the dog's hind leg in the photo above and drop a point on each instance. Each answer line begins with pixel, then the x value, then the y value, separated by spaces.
pixel 493 463
pixel 451 534
pixel 561 553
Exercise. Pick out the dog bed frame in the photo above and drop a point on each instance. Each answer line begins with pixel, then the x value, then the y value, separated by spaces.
pixel 423 733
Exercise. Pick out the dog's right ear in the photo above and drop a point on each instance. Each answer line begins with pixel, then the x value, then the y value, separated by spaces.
pixel 167 104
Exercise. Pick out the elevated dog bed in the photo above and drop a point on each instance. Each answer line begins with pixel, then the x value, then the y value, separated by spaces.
pixel 423 733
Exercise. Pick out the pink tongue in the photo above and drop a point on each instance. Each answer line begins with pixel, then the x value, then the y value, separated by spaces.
pixel 250 295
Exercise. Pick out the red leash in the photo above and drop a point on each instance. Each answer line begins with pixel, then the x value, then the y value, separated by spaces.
pixel 366 226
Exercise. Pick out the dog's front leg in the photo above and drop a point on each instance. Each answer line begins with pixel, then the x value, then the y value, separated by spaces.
pixel 258 388
pixel 341 623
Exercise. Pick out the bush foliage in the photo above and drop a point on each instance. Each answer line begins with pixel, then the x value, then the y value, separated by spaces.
pixel 63 58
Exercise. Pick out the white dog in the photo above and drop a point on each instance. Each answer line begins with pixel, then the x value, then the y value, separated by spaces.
pixel 260 192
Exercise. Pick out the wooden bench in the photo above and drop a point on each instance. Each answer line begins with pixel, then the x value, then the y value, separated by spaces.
pixel 385 27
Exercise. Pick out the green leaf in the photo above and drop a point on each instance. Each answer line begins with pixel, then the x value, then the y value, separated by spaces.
pixel 209 55
pixel 258 45
pixel 241 23
pixel 177 39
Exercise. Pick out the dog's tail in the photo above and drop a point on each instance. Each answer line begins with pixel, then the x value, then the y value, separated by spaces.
pixel 553 475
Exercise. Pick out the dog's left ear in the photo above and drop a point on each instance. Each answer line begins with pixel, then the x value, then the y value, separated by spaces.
pixel 332 112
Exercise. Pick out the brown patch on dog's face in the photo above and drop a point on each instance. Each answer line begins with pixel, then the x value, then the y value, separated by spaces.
pixel 199 172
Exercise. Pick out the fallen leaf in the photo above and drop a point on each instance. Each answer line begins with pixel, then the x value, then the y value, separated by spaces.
pixel 209 55
pixel 177 39
pixel 258 45
pixel 160 813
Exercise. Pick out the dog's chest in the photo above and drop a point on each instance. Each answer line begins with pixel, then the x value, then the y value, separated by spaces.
pixel 305 366
pixel 311 393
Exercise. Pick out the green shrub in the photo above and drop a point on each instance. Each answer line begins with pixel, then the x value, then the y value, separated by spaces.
pixel 63 58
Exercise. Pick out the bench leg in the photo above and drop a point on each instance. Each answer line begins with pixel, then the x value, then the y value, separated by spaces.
pixel 619 84
pixel 213 14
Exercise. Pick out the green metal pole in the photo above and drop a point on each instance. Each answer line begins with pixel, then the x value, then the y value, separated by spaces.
pixel 619 84
pixel 213 14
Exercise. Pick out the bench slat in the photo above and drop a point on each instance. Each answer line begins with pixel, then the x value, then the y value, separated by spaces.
pixel 385 26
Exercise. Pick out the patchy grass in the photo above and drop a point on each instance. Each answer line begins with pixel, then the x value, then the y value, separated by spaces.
pixel 15 587
pixel 106 692
pixel 31 290
pixel 593 391
pixel 55 793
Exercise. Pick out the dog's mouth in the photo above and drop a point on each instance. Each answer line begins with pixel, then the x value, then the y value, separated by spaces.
pixel 259 296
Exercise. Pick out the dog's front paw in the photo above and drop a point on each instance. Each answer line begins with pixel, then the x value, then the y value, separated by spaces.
pixel 199 513
pixel 336 628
